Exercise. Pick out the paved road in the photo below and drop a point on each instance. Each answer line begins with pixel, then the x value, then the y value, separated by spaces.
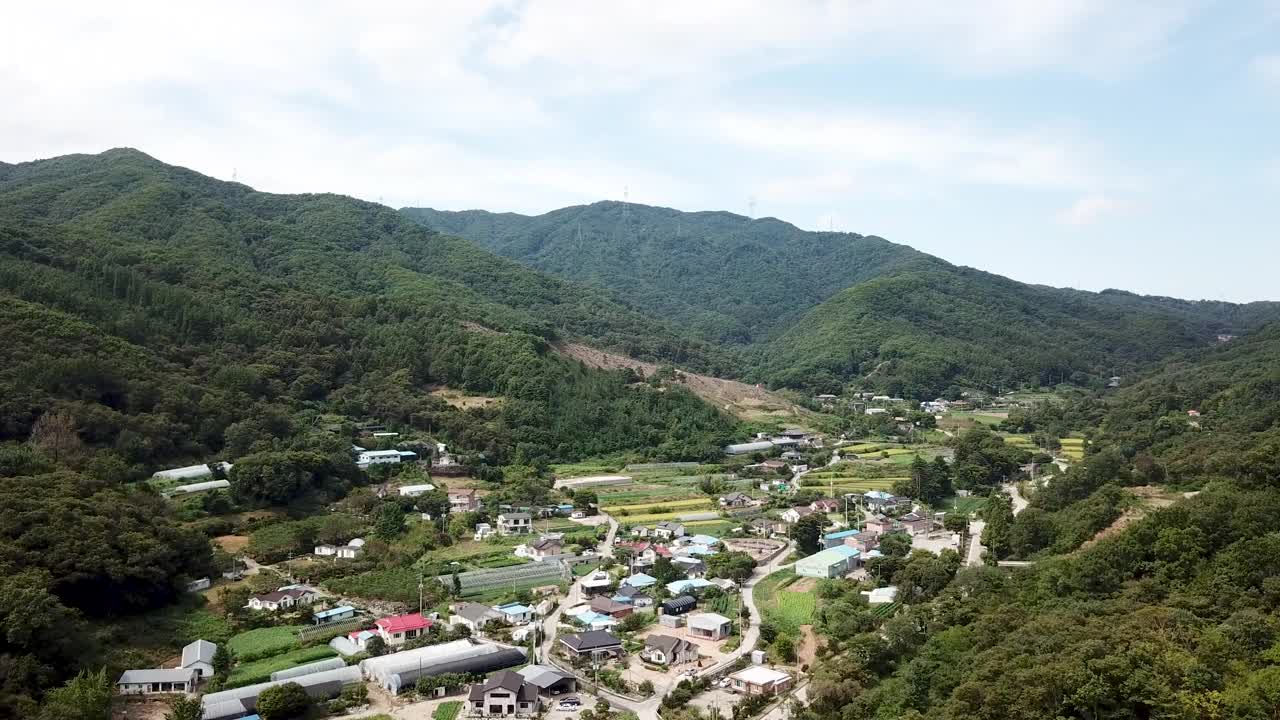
pixel 1019 503
pixel 975 543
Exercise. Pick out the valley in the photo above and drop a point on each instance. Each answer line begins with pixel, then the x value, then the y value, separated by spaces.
pixel 676 462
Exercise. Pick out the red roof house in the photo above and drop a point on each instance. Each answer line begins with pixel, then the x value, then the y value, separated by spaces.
pixel 399 629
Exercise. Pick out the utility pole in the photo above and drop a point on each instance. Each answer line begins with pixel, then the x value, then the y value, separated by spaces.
pixel 419 592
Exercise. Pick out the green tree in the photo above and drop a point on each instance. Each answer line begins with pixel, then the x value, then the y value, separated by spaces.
pixel 388 521
pixel 807 533
pixel 87 696
pixel 375 646
pixel 184 708
pixel 784 646
pixel 224 659
pixel 998 514
pixel 283 702
pixel 733 564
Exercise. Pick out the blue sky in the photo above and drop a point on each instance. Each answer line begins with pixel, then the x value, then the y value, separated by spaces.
pixel 1074 143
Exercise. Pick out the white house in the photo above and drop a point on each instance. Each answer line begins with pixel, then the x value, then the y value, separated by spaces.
pixel 515 523
pixel 483 530
pixel 377 457
pixel 198 656
pixel 463 500
pixel 668 529
pixel 474 616
pixel 709 626
pixel 540 549
pixel 158 680
pixel 791 516
pixel 416 490
pixel 351 550
pixel 515 613
pixel 504 694
pixel 759 680
pixel 283 599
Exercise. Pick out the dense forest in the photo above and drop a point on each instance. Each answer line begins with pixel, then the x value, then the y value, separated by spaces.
pixel 173 316
pixel 816 310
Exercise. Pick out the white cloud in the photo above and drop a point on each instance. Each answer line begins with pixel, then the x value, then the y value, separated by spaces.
pixel 936 147
pixel 1090 208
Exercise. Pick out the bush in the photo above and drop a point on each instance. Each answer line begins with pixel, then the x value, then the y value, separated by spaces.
pixel 283 702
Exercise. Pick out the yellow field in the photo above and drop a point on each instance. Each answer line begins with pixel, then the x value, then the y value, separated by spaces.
pixel 674 505
pixel 657 517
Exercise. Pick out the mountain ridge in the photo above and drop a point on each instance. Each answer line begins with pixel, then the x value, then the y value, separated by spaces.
pixel 817 310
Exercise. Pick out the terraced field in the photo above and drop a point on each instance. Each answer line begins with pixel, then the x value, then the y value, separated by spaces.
pixel 676 506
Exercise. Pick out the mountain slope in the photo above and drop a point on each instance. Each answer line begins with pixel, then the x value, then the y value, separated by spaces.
pixel 818 310
pixel 176 316
pixel 727 278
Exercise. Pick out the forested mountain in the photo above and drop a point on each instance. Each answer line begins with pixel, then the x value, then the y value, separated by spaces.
pixel 728 278
pixel 175 316
pixel 817 310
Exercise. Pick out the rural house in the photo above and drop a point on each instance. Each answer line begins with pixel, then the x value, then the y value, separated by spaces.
pixel 158 680
pixel 709 626
pixel 515 523
pixel 668 530
pixel 464 500
pixel 825 505
pixel 791 516
pixel 283 599
pixel 668 650
pixel 760 680
pixel 550 681
pixel 504 694
pixel 474 616
pixel 591 644
pixel 612 608
pixel 515 613
pixel 399 629
pixel 634 596
pixel 736 500
pixel 916 524
pixel 541 549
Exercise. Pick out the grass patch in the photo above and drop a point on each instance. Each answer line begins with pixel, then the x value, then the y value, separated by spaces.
pixel 786 609
pixel 260 670
pixel 962 505
pixel 265 641
pixel 447 710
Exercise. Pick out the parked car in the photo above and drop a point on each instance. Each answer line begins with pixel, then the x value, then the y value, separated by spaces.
pixel 571 703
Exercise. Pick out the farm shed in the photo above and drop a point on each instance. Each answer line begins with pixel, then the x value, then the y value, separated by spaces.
pixel 399 670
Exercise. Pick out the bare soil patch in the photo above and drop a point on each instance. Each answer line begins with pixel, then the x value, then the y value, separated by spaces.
pixel 807 647
pixel 804 584
pixel 461 400
pixel 745 401
pixel 232 543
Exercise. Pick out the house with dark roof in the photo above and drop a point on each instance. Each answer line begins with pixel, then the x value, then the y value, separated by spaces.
pixel 612 608
pixel 515 523
pixel 669 650
pixel 736 500
pixel 283 599
pixel 668 530
pixel 915 523
pixel 504 694
pixel 634 596
pixel 591 644
pixel 679 605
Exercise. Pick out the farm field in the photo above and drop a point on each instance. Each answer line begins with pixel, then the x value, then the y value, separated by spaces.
pixel 787 609
pixel 688 505
pixel 447 710
pixel 260 670
pixel 961 505
pixel 265 641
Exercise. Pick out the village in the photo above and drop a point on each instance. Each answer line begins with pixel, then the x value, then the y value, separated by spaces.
pixel 635 585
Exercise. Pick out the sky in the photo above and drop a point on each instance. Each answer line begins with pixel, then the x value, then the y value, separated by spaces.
pixel 1083 143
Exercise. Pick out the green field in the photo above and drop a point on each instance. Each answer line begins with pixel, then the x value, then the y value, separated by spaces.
pixel 260 670
pixel 784 608
pixel 265 641
pixel 962 505
pixel 648 508
pixel 714 528
pixel 447 710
